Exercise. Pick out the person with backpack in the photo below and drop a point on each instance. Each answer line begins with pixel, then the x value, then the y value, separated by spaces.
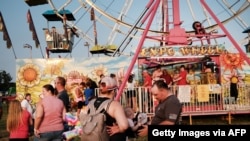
pixel 105 119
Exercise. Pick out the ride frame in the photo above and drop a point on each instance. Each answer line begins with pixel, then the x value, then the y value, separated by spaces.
pixel 176 36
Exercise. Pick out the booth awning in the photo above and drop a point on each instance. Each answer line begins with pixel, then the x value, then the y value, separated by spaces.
pixel 50 15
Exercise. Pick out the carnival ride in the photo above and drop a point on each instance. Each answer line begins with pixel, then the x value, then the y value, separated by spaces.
pixel 124 28
pixel 166 21
pixel 158 23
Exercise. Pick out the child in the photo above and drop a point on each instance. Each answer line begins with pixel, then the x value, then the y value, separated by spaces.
pixel 88 93
pixel 18 121
pixel 176 75
pixel 131 131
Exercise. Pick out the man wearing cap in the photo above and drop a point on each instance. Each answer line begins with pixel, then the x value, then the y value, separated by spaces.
pixel 116 121
pixel 168 111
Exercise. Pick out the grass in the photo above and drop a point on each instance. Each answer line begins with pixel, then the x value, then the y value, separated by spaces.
pixel 240 119
pixel 3 132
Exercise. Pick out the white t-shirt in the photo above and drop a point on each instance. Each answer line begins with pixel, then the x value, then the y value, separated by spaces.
pixel 131 86
pixel 130 122
pixel 25 104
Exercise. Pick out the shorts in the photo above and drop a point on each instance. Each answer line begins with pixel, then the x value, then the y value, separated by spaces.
pixel 130 93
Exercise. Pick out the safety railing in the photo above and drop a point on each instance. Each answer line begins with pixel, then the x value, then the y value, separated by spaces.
pixel 207 99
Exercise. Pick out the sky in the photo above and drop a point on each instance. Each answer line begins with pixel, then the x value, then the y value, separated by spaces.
pixel 14 16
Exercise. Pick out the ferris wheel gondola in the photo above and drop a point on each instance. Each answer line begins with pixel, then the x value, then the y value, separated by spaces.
pixel 59 42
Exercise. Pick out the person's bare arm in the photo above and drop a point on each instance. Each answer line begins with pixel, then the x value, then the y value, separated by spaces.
pixel 78 93
pixel 134 128
pixel 64 114
pixel 117 112
pixel 146 83
pixel 170 83
pixel 38 118
pixel 119 115
pixel 30 120
pixel 144 131
pixel 177 79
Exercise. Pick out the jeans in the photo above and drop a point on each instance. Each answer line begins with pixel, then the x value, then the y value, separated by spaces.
pixel 50 136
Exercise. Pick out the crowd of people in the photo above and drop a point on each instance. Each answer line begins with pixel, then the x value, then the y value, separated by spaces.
pixel 182 75
pixel 48 121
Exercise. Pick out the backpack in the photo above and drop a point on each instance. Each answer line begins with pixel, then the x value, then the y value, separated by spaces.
pixel 94 122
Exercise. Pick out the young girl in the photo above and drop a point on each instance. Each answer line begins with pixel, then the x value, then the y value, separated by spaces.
pixel 176 75
pixel 131 93
pixel 18 121
pixel 131 131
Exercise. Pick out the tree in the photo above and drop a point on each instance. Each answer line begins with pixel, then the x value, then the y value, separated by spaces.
pixel 5 79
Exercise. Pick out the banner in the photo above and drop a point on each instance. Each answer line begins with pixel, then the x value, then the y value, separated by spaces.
pixel 3 28
pixel 203 93
pixel 32 29
pixel 184 93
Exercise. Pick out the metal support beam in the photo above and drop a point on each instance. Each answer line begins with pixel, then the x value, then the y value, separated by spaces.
pixel 243 54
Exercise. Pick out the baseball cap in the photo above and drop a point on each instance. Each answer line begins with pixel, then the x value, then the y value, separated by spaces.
pixel 107 83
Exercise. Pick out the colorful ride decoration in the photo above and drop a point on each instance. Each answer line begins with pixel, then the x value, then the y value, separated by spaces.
pixel 232 61
pixel 28 76
pixel 72 121
pixel 34 73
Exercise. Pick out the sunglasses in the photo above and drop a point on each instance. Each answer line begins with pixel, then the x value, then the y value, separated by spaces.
pixel 103 85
